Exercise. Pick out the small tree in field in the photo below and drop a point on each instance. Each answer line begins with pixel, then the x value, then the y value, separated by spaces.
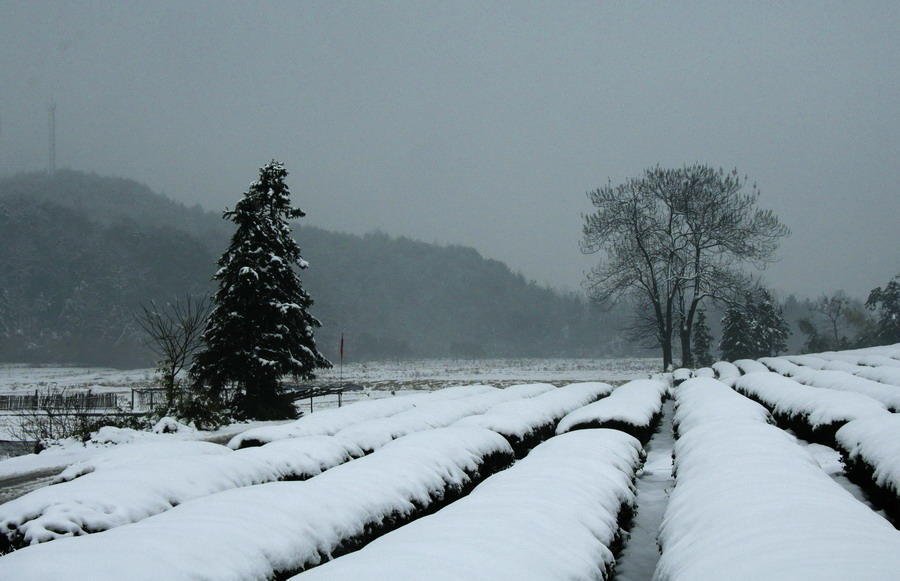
pixel 260 329
pixel 702 341
pixel 174 333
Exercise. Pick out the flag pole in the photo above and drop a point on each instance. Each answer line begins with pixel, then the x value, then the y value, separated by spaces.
pixel 341 389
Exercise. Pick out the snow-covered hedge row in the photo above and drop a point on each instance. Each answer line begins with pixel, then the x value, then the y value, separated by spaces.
pixel 843 381
pixel 793 365
pixel 127 484
pixel 330 421
pixel 814 413
pixel 373 434
pixel 882 374
pixel 710 400
pixel 634 408
pixel 871 450
pixel 750 504
pixel 280 528
pixel 554 515
pixel 527 422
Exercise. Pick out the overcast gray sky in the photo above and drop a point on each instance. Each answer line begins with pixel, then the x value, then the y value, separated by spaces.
pixel 478 123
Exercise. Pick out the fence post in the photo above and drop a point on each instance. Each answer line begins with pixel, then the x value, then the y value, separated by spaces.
pixel 132 399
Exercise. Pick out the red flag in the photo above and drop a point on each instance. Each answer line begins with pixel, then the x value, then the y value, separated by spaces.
pixel 342 346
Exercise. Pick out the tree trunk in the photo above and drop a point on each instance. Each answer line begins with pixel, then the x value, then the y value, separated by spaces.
pixel 666 344
pixel 687 356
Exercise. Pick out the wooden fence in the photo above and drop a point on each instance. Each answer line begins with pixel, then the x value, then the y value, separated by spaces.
pixel 79 401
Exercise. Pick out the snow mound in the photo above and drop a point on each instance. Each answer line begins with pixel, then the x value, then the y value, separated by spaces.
pixel 747 366
pixel 636 404
pixel 725 370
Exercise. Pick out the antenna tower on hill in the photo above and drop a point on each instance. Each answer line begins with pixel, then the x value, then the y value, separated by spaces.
pixel 52 111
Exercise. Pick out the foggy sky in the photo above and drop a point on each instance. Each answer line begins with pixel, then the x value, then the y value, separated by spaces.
pixel 478 123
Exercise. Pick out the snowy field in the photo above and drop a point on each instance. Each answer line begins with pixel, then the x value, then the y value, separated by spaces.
pixel 455 470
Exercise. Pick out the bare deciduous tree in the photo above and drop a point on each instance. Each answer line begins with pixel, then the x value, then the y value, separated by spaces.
pixel 672 239
pixel 174 332
pixel 834 309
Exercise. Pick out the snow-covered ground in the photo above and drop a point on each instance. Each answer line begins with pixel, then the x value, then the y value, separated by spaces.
pixel 747 499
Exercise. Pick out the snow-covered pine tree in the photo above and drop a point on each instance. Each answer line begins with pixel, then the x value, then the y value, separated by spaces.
pixel 771 329
pixel 260 329
pixel 755 329
pixel 736 342
pixel 702 341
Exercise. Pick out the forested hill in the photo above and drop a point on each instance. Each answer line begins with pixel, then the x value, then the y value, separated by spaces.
pixel 79 254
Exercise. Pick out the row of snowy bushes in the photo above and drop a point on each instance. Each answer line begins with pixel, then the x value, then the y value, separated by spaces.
pixel 875 368
pixel 557 514
pixel 749 503
pixel 634 408
pixel 130 483
pixel 126 485
pixel 814 413
pixel 721 370
pixel 837 380
pixel 871 451
pixel 372 434
pixel 331 421
pixel 279 528
pixel 527 422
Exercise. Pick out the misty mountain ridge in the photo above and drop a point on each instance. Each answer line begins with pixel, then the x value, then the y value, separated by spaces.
pixel 81 252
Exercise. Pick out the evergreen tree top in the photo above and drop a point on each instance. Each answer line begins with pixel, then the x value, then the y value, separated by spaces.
pixel 269 192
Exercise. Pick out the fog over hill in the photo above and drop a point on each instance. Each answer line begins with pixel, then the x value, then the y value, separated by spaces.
pixel 82 252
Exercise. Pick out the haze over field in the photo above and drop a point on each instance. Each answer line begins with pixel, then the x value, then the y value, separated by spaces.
pixel 475 123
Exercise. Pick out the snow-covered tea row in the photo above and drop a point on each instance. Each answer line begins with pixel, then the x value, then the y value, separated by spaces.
pixel 278 528
pixel 882 356
pixel 126 485
pixel 527 422
pixel 634 408
pixel 814 413
pixel 330 421
pixel 882 373
pixel 553 515
pixel 750 503
pixel 835 379
pixel 130 483
pixel 871 450
pixel 372 434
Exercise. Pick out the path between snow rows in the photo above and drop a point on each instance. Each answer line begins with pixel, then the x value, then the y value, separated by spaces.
pixel 638 559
